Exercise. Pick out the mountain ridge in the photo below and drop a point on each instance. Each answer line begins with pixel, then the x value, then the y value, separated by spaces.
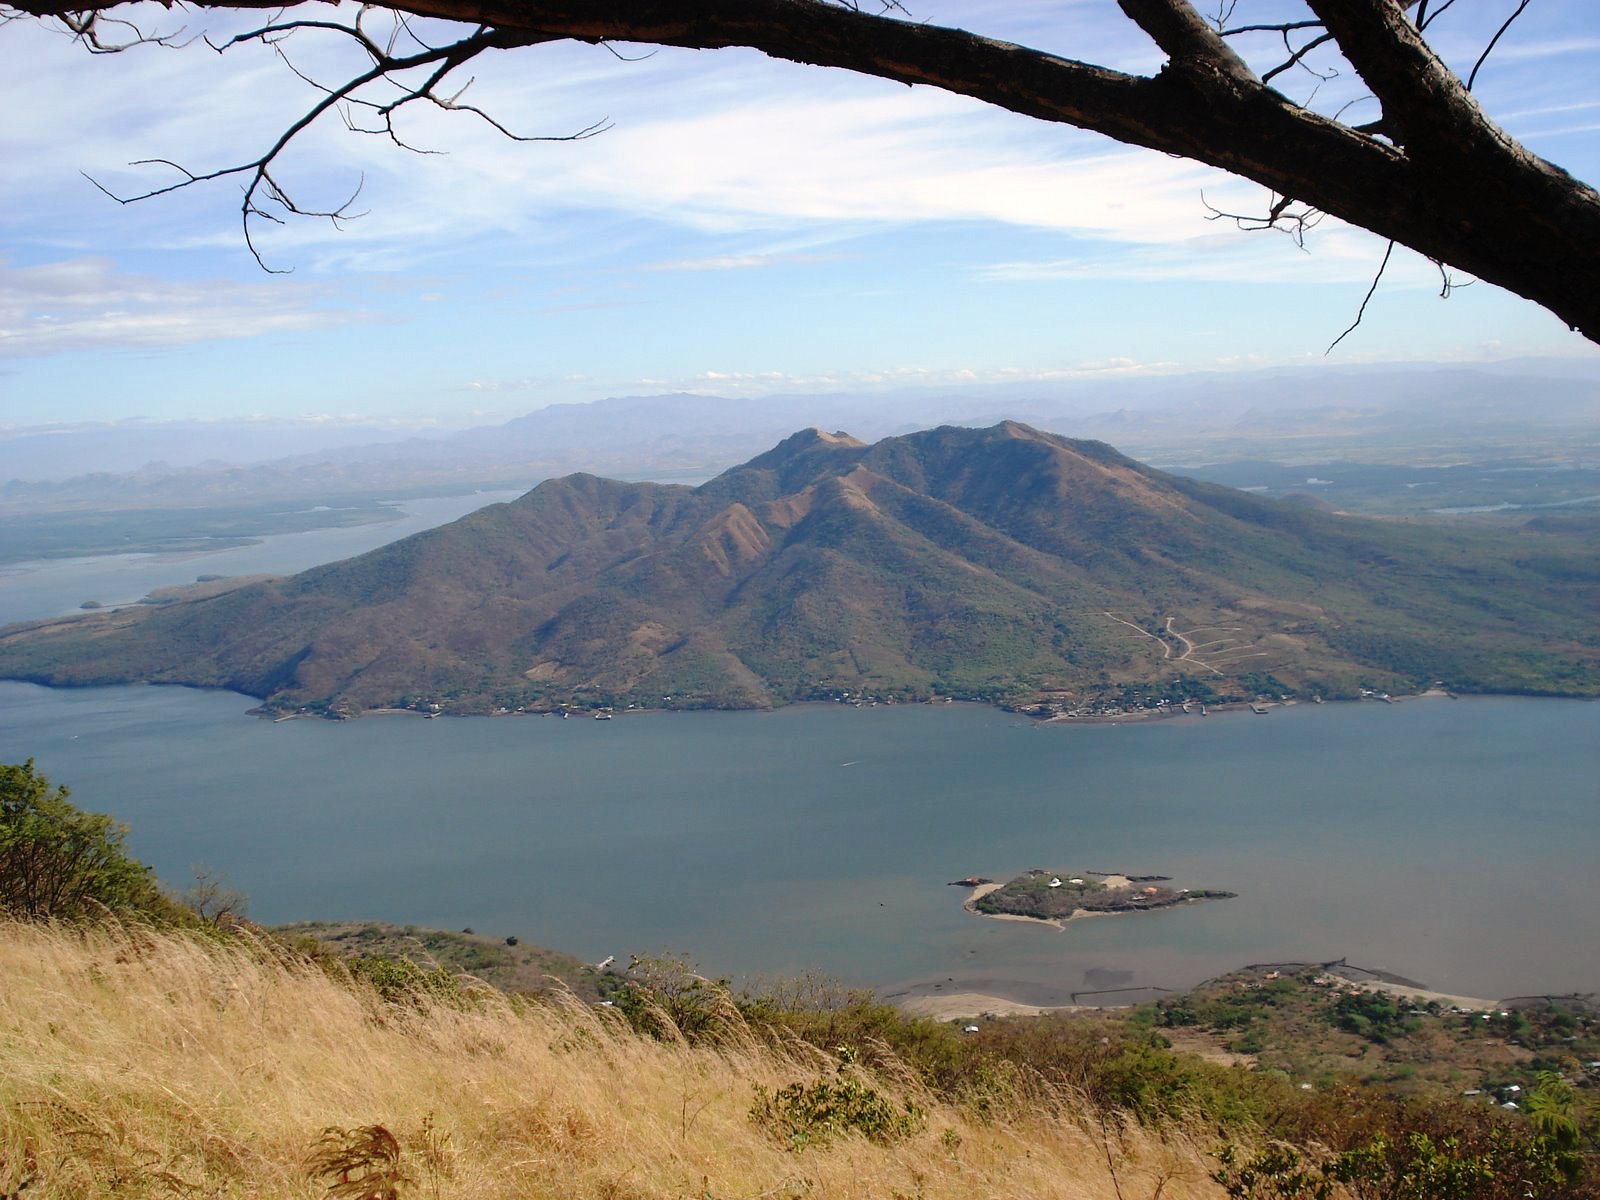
pixel 996 563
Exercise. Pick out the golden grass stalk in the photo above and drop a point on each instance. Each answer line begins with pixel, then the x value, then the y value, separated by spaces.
pixel 149 1064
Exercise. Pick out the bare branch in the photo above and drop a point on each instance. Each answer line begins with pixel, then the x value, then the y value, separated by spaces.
pixel 1278 217
pixel 1184 36
pixel 1489 49
pixel 1362 311
pixel 621 57
pixel 86 27
pixel 1286 27
pixel 268 33
pixel 1296 57
pixel 1424 20
pixel 1432 173
pixel 1448 282
pixel 385 67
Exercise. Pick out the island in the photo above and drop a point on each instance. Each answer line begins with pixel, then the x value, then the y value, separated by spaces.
pixel 1056 897
pixel 1007 565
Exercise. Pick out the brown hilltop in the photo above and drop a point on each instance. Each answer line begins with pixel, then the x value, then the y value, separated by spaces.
pixel 980 562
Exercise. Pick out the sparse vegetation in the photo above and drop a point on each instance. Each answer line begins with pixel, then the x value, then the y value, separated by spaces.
pixel 1305 1024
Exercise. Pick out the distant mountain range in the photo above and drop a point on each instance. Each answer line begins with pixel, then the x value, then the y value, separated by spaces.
pixel 996 563
pixel 1392 414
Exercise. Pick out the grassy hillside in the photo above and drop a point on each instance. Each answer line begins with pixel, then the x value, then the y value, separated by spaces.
pixel 506 964
pixel 139 1063
pixel 144 1065
pixel 1001 563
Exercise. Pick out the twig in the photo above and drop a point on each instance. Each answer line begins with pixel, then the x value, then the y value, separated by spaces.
pixel 1489 49
pixel 1360 312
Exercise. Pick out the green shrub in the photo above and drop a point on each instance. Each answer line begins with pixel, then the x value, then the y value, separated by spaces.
pixel 59 862
pixel 399 980
pixel 801 1114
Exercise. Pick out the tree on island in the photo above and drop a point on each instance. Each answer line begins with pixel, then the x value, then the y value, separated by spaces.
pixel 1431 171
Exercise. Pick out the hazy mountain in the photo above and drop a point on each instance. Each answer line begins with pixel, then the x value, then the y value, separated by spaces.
pixel 58 452
pixel 978 562
pixel 1395 414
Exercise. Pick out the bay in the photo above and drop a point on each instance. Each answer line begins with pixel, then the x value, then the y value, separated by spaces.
pixel 59 586
pixel 1452 841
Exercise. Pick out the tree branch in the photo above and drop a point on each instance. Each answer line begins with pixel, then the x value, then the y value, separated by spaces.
pixel 1184 36
pixel 1451 186
pixel 1498 34
pixel 1362 311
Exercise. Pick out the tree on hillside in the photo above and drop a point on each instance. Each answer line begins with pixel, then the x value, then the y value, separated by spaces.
pixel 1430 170
pixel 59 862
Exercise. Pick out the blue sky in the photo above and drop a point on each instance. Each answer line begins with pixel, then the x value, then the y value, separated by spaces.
pixel 744 227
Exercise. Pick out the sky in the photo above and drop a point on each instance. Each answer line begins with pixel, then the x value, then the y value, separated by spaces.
pixel 740 227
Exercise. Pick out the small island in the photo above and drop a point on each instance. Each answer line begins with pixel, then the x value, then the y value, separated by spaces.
pixel 1056 897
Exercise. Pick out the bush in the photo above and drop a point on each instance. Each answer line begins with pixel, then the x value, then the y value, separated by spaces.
pixel 401 981
pixel 800 1114
pixel 59 862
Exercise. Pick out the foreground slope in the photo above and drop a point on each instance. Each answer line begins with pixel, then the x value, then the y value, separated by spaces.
pixel 142 1064
pixel 985 563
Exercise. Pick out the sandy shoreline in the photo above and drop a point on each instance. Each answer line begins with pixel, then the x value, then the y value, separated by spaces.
pixel 958 1006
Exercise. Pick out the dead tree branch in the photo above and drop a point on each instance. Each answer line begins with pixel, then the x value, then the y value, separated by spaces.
pixel 1433 172
pixel 1365 300
pixel 263 190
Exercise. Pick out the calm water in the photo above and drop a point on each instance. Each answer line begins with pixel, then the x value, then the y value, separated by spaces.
pixel 1455 842
pixel 53 587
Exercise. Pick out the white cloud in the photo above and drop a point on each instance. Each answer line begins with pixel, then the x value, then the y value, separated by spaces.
pixel 728 141
pixel 1553 48
pixel 1549 109
pixel 721 142
pixel 85 303
pixel 1334 253
pixel 737 262
pixel 1531 134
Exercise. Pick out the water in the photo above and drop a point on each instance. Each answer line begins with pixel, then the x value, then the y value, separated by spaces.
pixel 53 587
pixel 1506 506
pixel 1454 842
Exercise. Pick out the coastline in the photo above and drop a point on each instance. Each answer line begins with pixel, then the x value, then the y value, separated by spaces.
pixel 262 706
pixel 959 1005
pixel 1256 708
pixel 974 1005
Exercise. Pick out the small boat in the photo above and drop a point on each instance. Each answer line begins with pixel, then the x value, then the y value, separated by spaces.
pixel 602 716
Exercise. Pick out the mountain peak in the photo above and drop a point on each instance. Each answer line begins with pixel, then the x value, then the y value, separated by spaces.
pixel 801 451
pixel 975 562
pixel 814 437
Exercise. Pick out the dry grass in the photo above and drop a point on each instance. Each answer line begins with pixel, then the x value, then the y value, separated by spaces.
pixel 140 1064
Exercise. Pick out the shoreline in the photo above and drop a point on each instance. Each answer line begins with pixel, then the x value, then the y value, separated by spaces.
pixel 1140 717
pixel 1136 717
pixel 1256 708
pixel 974 1005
